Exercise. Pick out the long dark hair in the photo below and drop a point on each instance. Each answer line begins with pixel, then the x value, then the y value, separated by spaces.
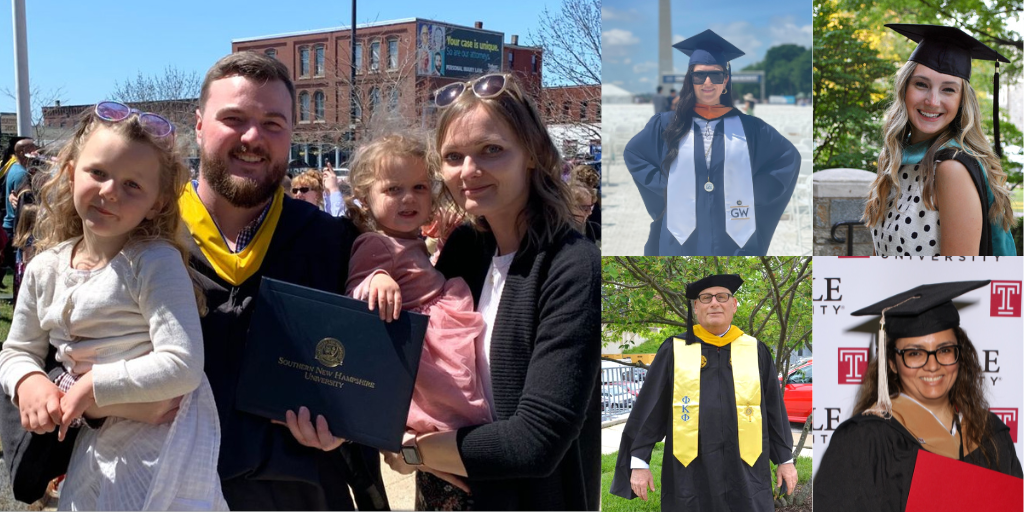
pixel 967 394
pixel 683 119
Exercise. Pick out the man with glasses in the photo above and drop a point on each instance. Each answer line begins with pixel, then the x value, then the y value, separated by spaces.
pixel 713 394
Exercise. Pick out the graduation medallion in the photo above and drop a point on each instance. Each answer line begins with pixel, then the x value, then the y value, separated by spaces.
pixel 750 413
pixel 709 186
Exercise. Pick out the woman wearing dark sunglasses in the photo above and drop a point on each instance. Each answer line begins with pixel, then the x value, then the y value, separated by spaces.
pixel 925 392
pixel 538 358
pixel 714 181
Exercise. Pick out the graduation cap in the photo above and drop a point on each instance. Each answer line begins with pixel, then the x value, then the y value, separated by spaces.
pixel 731 282
pixel 949 51
pixel 921 311
pixel 709 48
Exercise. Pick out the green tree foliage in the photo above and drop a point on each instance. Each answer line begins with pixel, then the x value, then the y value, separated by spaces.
pixel 645 293
pixel 788 72
pixel 856 57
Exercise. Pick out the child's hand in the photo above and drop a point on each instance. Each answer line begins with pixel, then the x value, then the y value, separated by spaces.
pixel 79 398
pixel 384 292
pixel 39 403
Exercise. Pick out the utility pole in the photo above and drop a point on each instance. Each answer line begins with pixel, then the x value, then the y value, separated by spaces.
pixel 21 69
pixel 352 86
pixel 665 66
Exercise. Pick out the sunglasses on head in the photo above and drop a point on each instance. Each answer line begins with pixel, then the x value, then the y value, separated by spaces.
pixel 717 77
pixel 300 190
pixel 153 124
pixel 487 86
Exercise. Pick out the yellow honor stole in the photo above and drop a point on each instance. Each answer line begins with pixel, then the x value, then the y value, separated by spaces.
pixel 686 393
pixel 234 268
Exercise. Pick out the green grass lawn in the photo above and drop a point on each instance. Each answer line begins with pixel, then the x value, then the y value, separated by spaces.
pixel 647 347
pixel 610 503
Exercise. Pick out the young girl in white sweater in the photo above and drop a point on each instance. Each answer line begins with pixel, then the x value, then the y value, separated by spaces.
pixel 109 290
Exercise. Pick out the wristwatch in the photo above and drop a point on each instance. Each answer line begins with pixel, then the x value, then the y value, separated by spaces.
pixel 411 454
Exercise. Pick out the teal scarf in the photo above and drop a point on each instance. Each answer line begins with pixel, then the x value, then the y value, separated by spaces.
pixel 1002 241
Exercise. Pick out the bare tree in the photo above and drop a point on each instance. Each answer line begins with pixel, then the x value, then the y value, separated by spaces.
pixel 173 94
pixel 43 135
pixel 571 39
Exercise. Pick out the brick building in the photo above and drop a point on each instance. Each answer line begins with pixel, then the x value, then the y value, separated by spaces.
pixel 398 65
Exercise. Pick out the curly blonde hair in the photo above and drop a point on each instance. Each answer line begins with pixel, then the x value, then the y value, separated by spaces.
pixel 59 221
pixel 965 129
pixel 376 155
pixel 548 207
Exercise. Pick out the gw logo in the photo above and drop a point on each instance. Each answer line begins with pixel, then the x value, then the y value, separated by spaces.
pixel 739 212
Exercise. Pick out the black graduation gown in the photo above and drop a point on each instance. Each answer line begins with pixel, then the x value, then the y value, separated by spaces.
pixel 870 462
pixel 774 162
pixel 718 479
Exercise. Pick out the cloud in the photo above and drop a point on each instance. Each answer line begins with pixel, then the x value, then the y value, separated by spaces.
pixel 644 79
pixel 784 30
pixel 607 13
pixel 676 38
pixel 618 37
pixel 741 34
pixel 618 82
pixel 645 67
pixel 627 61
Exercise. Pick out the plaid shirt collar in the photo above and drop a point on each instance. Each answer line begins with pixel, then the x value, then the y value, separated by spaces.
pixel 247 233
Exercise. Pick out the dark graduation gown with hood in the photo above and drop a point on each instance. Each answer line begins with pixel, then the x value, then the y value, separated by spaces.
pixel 718 480
pixel 261 465
pixel 869 464
pixel 774 162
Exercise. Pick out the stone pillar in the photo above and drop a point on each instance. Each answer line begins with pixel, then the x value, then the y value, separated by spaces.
pixel 839 195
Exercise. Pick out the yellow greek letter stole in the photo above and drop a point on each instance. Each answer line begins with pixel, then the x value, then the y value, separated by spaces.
pixel 686 393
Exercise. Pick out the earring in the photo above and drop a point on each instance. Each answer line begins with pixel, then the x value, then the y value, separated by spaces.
pixel 725 90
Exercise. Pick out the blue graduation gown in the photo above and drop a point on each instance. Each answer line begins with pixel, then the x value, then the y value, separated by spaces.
pixel 775 164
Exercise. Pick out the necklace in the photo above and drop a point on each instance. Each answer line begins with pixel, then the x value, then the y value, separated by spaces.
pixel 709 138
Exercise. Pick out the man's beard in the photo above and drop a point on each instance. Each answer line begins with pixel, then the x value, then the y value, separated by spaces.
pixel 240 192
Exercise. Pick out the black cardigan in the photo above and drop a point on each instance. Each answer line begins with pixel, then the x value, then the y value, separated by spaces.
pixel 544 450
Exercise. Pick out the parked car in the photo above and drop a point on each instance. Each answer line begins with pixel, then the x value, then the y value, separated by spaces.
pixel 618 395
pixel 798 392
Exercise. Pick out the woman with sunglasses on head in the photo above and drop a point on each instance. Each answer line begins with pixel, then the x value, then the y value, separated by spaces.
pixel 924 391
pixel 109 290
pixel 538 356
pixel 714 180
pixel 935 157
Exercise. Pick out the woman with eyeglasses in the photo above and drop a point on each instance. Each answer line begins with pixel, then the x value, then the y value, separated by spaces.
pixel 924 391
pixel 536 281
pixel 714 181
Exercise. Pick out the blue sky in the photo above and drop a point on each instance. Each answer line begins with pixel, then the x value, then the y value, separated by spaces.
pixel 630 33
pixel 85 47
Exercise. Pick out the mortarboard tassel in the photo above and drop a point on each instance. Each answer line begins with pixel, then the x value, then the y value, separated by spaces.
pixel 995 110
pixel 883 405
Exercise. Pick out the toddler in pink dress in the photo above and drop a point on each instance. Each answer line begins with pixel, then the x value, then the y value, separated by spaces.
pixel 393 197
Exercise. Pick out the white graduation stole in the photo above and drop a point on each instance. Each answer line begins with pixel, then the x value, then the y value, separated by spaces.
pixel 738 189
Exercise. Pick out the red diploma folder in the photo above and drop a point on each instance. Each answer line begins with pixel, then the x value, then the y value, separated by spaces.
pixel 941 484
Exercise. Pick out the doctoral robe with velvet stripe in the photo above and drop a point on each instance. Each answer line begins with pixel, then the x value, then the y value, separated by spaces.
pixel 718 479
pixel 774 162
pixel 869 464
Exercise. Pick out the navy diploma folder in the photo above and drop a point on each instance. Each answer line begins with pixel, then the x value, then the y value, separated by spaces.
pixel 331 354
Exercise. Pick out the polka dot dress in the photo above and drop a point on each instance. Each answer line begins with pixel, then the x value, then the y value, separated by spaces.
pixel 907 227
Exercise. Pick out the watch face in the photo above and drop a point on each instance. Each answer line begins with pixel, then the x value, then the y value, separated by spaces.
pixel 411 456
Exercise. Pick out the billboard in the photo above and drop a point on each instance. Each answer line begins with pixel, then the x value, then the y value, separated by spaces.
pixel 456 52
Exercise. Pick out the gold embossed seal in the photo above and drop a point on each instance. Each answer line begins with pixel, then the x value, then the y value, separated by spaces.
pixel 330 352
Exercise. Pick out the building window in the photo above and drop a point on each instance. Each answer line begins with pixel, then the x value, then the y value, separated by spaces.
pixel 566 106
pixel 318 60
pixel 374 99
pixel 359 57
pixel 393 99
pixel 583 111
pixel 357 109
pixel 272 53
pixel 510 59
pixel 303 106
pixel 375 56
pixel 303 61
pixel 393 53
pixel 318 105
pixel 533 62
